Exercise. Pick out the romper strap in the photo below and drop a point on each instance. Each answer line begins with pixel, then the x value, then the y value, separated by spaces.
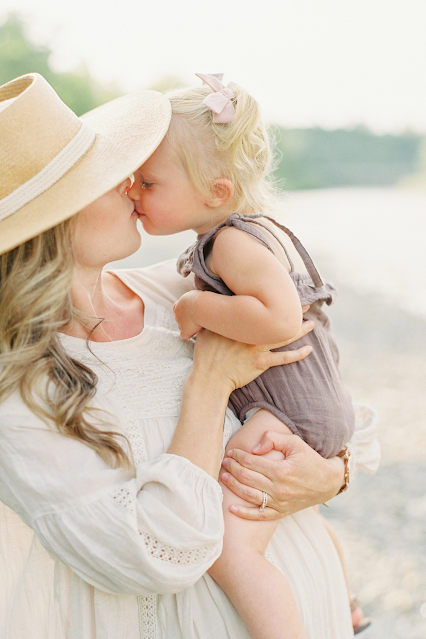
pixel 307 260
pixel 194 259
pixel 233 220
pixel 240 219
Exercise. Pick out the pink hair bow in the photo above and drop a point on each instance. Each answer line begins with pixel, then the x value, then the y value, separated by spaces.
pixel 219 101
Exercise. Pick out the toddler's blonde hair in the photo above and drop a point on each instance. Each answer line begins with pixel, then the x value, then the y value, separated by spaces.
pixel 239 151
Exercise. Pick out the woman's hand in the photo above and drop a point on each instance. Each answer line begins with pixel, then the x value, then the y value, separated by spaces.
pixel 220 366
pixel 302 479
pixel 233 364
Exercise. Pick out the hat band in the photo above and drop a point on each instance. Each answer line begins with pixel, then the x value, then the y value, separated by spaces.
pixel 50 174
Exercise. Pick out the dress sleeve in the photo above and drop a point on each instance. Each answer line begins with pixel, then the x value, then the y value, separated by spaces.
pixel 156 532
pixel 364 445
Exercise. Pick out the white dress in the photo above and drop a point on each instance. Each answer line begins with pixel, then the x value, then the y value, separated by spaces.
pixel 88 552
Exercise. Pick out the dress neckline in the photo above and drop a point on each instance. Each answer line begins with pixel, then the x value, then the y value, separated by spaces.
pixel 80 343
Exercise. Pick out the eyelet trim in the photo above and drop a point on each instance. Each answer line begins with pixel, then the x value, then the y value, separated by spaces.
pixel 270 557
pixel 147 607
pixel 174 555
pixel 126 499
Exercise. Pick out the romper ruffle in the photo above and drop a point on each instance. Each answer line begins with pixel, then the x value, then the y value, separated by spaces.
pixel 308 396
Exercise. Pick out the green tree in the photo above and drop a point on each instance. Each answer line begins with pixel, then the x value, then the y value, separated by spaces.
pixel 315 158
pixel 18 55
pixel 305 158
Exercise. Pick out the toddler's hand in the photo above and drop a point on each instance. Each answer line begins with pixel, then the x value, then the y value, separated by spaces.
pixel 183 313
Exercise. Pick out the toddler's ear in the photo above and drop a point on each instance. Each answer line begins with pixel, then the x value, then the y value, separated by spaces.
pixel 221 192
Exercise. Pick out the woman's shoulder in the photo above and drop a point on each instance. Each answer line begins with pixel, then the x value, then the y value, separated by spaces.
pixel 160 281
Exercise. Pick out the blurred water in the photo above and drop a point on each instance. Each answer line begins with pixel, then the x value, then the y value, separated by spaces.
pixel 375 238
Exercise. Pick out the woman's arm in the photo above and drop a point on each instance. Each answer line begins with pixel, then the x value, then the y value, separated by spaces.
pixel 265 308
pixel 155 532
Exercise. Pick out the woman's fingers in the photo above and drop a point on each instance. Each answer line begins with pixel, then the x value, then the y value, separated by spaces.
pixel 248 493
pixel 281 358
pixel 249 469
pixel 246 483
pixel 254 514
pixel 271 440
pixel 245 491
pixel 307 326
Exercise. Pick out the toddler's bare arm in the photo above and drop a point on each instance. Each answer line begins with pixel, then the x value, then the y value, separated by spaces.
pixel 265 308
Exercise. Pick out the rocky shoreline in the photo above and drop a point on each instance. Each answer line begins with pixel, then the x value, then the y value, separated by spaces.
pixel 381 519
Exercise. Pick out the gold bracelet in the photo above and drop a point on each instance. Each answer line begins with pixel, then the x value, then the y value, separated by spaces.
pixel 345 454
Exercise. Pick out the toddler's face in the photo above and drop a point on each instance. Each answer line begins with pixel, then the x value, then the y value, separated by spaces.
pixel 165 199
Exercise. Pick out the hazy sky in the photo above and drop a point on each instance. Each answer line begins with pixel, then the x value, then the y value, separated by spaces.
pixel 327 62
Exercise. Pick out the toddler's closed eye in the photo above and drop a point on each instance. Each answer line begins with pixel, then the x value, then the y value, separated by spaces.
pixel 144 184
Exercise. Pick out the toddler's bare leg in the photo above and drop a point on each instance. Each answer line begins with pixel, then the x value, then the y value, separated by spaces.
pixel 258 590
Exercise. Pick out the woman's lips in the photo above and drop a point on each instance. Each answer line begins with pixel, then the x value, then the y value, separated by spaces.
pixel 138 213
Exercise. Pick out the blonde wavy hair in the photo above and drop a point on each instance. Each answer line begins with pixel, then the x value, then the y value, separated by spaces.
pixel 35 302
pixel 239 151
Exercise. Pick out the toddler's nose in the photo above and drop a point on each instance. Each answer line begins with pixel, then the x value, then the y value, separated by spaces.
pixel 131 181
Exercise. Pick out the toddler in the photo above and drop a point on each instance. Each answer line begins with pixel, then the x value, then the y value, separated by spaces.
pixel 253 277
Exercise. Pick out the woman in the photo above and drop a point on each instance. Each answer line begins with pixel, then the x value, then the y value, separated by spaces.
pixel 98 537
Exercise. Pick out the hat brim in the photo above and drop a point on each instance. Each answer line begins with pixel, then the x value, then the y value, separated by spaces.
pixel 128 130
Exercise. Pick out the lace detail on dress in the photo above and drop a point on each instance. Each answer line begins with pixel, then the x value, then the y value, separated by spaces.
pixel 159 365
pixel 135 436
pixel 147 606
pixel 270 557
pixel 124 497
pixel 173 555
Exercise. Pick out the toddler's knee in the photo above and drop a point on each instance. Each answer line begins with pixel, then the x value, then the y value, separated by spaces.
pixel 239 440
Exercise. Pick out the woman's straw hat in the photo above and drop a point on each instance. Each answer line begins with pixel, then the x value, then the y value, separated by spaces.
pixel 53 163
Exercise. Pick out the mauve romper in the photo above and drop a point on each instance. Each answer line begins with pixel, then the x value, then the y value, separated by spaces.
pixel 308 396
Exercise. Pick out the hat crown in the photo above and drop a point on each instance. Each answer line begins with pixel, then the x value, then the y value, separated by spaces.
pixel 35 125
